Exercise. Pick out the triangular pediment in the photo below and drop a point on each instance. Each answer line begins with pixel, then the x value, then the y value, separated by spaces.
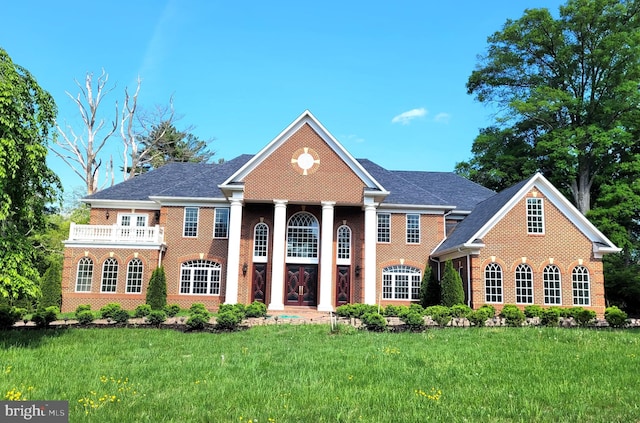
pixel 303 162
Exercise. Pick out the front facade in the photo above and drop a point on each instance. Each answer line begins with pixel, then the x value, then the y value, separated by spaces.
pixel 304 224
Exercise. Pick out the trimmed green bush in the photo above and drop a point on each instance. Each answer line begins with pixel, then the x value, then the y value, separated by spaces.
pixel 121 316
pixel 615 317
pixel 550 316
pixel 440 314
pixel 584 317
pixel 237 308
pixel 8 316
pixel 395 310
pixel 156 317
pixel 413 320
pixel 512 315
pixel 451 286
pixel 198 308
pixel 256 309
pixel 109 311
pixel 43 318
pixel 172 309
pixel 429 289
pixel 51 286
pixel 228 320
pixel 479 317
pixel 460 310
pixel 85 317
pixel 83 307
pixel 490 309
pixel 197 321
pixel 374 321
pixel 533 310
pixel 157 290
pixel 142 310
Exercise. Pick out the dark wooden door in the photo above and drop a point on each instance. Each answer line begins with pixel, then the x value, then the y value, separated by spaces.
pixel 343 285
pixel 259 283
pixel 301 285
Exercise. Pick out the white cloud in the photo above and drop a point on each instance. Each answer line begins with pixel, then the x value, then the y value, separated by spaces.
pixel 352 138
pixel 442 118
pixel 408 116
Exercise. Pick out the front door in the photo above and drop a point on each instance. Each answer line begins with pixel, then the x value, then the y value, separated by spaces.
pixel 301 285
pixel 343 284
pixel 259 283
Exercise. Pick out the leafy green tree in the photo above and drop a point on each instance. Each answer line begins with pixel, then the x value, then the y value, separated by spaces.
pixel 27 185
pixel 429 288
pixel 451 286
pixel 569 89
pixel 157 290
pixel 52 286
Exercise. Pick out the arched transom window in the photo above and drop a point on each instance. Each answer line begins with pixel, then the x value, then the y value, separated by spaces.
pixel 200 277
pixel 401 283
pixel 493 283
pixel 344 245
pixel 134 276
pixel 109 275
pixel 84 275
pixel 303 238
pixel 260 242
pixel 551 284
pixel 581 291
pixel 524 284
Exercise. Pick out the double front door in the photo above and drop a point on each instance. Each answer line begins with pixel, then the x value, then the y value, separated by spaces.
pixel 302 284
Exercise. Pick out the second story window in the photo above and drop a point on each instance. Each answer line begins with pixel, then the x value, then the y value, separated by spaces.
pixel 384 227
pixel 190 228
pixel 535 217
pixel 413 229
pixel 221 224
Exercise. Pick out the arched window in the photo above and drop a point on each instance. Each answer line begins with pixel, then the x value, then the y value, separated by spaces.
pixel 109 275
pixel 581 290
pixel 344 245
pixel 401 283
pixel 302 238
pixel 260 242
pixel 551 284
pixel 200 277
pixel 84 275
pixel 134 276
pixel 524 284
pixel 493 283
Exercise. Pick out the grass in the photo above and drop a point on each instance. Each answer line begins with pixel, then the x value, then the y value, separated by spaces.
pixel 303 373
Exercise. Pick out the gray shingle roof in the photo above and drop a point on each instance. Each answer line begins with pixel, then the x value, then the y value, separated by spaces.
pixel 480 215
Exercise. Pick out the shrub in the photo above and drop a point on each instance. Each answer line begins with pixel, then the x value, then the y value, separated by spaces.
pixel 83 307
pixel 8 316
pixel 142 310
pixel 512 315
pixel 615 317
pixel 121 316
pixel 85 317
pixel 52 285
pixel 374 321
pixel 395 310
pixel 237 308
pixel 584 317
pixel 156 317
pixel 228 320
pixel 44 317
pixel 345 310
pixel 413 320
pixel 108 311
pixel 256 309
pixel 490 309
pixel 197 321
pixel 451 286
pixel 429 289
pixel 416 308
pixel 172 309
pixel 157 290
pixel 198 308
pixel 20 312
pixel 440 314
pixel 460 310
pixel 550 316
pixel 479 317
pixel 533 310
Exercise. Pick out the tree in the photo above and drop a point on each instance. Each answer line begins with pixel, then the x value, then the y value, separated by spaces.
pixel 429 289
pixel 157 290
pixel 27 186
pixel 572 82
pixel 52 286
pixel 451 286
pixel 80 151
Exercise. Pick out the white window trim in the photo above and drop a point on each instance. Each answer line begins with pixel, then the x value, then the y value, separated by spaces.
pixel 533 294
pixel 378 227
pixel 127 284
pixel 210 270
pixel 501 284
pixel 261 259
pixel 85 259
pixel 117 268
pixel 559 286
pixel 573 281
pixel 407 229
pixel 184 222
pixel 542 219
pixel 134 218
pixel 339 260
pixel 408 271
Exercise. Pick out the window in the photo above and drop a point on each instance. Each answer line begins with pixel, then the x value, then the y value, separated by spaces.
pixel 221 223
pixel 535 219
pixel 581 292
pixel 551 283
pixel 384 227
pixel 200 277
pixel 303 236
pixel 109 275
pixel 84 275
pixel 190 222
pixel 413 229
pixel 134 276
pixel 401 283
pixel 260 242
pixel 524 284
pixel 344 245
pixel 493 283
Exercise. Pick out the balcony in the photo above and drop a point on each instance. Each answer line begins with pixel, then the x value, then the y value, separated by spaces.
pixel 115 234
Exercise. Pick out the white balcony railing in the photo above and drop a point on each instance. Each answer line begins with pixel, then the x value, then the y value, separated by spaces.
pixel 116 234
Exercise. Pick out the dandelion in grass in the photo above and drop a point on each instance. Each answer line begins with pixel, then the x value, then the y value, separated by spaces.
pixel 7 370
pixel 350 378
pixel 433 394
pixel 391 351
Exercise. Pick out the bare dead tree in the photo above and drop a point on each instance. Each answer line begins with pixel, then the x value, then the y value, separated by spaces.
pixel 81 152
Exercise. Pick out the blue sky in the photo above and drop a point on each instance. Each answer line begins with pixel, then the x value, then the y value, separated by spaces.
pixel 387 79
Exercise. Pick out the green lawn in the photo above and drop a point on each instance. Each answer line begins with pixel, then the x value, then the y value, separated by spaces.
pixel 303 373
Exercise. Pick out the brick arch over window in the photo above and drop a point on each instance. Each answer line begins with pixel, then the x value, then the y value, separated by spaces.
pixel 581 286
pixel 200 277
pixel 84 274
pixel 401 282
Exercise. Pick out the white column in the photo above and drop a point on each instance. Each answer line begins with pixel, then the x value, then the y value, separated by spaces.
pixel 233 251
pixel 370 241
pixel 326 257
pixel 278 255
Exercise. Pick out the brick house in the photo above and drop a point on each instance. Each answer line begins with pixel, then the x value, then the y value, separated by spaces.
pixel 303 223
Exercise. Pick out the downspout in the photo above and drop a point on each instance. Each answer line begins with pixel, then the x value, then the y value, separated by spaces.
pixel 468 280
